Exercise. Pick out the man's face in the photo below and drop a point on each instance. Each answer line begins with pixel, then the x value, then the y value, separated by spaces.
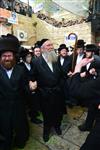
pixel 47 46
pixel 89 54
pixel 63 53
pixel 28 58
pixel 80 50
pixel 37 52
pixel 7 60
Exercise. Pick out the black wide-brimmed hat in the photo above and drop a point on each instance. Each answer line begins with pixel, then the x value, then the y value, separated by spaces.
pixel 62 46
pixel 23 52
pixel 80 43
pixel 91 48
pixel 9 43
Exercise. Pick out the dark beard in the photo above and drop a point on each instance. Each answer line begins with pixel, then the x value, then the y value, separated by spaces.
pixel 8 64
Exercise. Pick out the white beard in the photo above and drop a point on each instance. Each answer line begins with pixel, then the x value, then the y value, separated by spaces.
pixel 51 56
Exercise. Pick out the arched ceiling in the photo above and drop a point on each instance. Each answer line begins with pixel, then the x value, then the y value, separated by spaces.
pixel 77 7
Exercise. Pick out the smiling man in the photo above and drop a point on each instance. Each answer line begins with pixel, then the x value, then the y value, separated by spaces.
pixel 13 120
pixel 48 77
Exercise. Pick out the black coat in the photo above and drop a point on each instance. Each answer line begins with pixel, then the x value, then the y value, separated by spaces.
pixel 31 98
pixel 27 74
pixel 49 88
pixel 44 76
pixel 12 111
pixel 88 91
pixel 66 67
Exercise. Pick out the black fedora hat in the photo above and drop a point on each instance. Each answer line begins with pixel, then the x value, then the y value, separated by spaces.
pixel 80 43
pixel 62 46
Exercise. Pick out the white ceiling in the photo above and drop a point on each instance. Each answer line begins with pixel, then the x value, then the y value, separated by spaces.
pixel 78 7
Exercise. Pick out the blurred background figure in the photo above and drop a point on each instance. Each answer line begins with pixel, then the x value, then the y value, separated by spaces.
pixel 65 64
pixel 30 97
pixel 36 51
pixel 90 72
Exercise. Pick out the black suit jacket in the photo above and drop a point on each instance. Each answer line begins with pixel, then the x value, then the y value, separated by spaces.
pixel 12 110
pixel 85 91
pixel 66 67
pixel 43 74
pixel 49 86
pixel 27 72
pixel 12 89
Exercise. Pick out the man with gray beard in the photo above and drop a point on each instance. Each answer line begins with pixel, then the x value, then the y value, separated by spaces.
pixel 48 77
pixel 50 56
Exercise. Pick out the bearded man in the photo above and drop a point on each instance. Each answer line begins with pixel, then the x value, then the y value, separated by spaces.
pixel 48 77
pixel 13 121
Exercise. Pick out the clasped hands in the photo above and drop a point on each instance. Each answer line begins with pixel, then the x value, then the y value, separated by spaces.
pixel 32 85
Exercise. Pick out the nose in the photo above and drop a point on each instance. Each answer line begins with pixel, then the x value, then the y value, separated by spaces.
pixel 7 58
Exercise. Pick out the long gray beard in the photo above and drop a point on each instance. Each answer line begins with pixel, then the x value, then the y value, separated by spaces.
pixel 51 56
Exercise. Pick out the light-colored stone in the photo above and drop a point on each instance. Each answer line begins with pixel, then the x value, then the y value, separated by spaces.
pixel 58 143
pixel 75 136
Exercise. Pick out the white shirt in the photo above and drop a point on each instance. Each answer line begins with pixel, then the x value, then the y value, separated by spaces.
pixel 61 61
pixel 28 66
pixel 88 65
pixel 79 58
pixel 48 63
pixel 9 73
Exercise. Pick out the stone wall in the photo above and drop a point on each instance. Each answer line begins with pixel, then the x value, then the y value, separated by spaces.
pixel 25 24
pixel 57 35
pixel 37 29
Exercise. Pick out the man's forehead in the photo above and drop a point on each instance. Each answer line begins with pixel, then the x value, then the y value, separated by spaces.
pixel 7 53
pixel 48 43
pixel 80 48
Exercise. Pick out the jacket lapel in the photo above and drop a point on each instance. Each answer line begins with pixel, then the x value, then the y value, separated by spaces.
pixel 4 77
pixel 45 65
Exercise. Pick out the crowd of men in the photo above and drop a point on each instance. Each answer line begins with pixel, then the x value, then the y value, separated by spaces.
pixel 37 80
pixel 17 6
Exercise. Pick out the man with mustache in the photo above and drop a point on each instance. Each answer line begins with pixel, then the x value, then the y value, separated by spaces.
pixel 13 121
pixel 48 77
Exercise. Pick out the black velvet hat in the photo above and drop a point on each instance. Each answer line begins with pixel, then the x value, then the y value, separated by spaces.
pixel 91 48
pixel 62 46
pixel 9 43
pixel 43 41
pixel 80 43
